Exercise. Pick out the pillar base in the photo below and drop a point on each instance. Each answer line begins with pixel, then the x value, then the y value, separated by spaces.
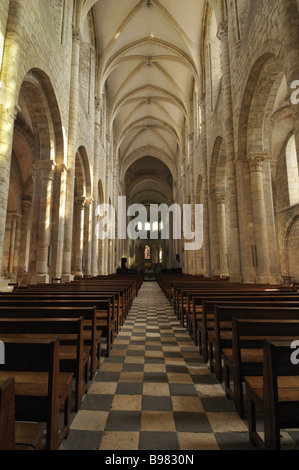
pixel 235 277
pixel 40 279
pixel 66 278
pixel 4 287
pixel 265 279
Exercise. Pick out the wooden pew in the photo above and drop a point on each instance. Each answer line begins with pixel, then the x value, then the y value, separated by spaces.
pixel 104 307
pixel 92 333
pixel 41 390
pixel 204 318
pixel 71 291
pixel 189 310
pixel 246 355
pixel 16 435
pixel 221 336
pixel 180 289
pixel 275 394
pixel 123 291
pixel 73 355
pixel 185 297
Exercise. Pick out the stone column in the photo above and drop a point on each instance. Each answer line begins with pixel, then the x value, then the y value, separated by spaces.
pixel 256 163
pixel 9 77
pixel 222 238
pixel 17 247
pixel 12 247
pixel 94 237
pixel 87 248
pixel 25 239
pixel 61 175
pixel 71 160
pixel 206 220
pixel 47 169
pixel 79 220
pixel 235 265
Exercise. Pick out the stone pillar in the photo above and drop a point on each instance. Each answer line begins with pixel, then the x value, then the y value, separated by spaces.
pixel 71 160
pixel 94 237
pixel 9 77
pixel 12 250
pixel 205 190
pixel 61 175
pixel 256 163
pixel 235 265
pixel 17 247
pixel 25 240
pixel 245 220
pixel 87 245
pixel 222 238
pixel 47 169
pixel 79 220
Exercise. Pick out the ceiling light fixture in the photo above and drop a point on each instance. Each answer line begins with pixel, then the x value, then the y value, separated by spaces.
pixel 148 3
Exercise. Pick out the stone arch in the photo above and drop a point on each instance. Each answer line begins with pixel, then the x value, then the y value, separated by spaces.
pixel 38 146
pixel 39 110
pixel 218 181
pixel 82 174
pixel 154 152
pixel 261 79
pixel 261 110
pixel 291 253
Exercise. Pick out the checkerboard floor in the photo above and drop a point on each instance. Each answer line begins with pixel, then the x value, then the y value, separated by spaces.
pixel 155 393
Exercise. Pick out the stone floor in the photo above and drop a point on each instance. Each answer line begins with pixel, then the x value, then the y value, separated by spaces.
pixel 155 393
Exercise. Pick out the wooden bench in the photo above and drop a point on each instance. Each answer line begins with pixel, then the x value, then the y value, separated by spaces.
pixel 204 318
pixel 16 435
pixel 275 394
pixel 104 307
pixel 221 336
pixel 72 292
pixel 245 357
pixel 180 290
pixel 73 355
pixel 41 390
pixel 186 312
pixel 123 294
pixel 193 312
pixel 92 333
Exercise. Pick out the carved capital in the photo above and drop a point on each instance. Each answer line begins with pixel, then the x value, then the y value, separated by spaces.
pixel 60 168
pixel 80 201
pixel 45 167
pixel 256 161
pixel 26 205
pixel 222 30
pixel 76 35
pixel 220 198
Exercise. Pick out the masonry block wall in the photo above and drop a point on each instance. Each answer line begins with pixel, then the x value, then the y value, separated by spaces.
pixel 240 156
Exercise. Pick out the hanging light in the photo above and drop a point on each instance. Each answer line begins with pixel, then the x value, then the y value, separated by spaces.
pixel 148 3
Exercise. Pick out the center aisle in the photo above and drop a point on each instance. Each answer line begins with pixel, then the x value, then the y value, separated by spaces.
pixel 153 392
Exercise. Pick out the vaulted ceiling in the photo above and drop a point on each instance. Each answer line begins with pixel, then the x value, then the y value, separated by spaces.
pixel 149 63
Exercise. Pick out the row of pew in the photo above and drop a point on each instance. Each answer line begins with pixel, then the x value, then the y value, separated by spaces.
pixel 54 336
pixel 246 334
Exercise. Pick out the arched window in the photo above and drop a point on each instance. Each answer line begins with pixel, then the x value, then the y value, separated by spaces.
pixel 292 171
pixel 147 252
pixel 160 254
